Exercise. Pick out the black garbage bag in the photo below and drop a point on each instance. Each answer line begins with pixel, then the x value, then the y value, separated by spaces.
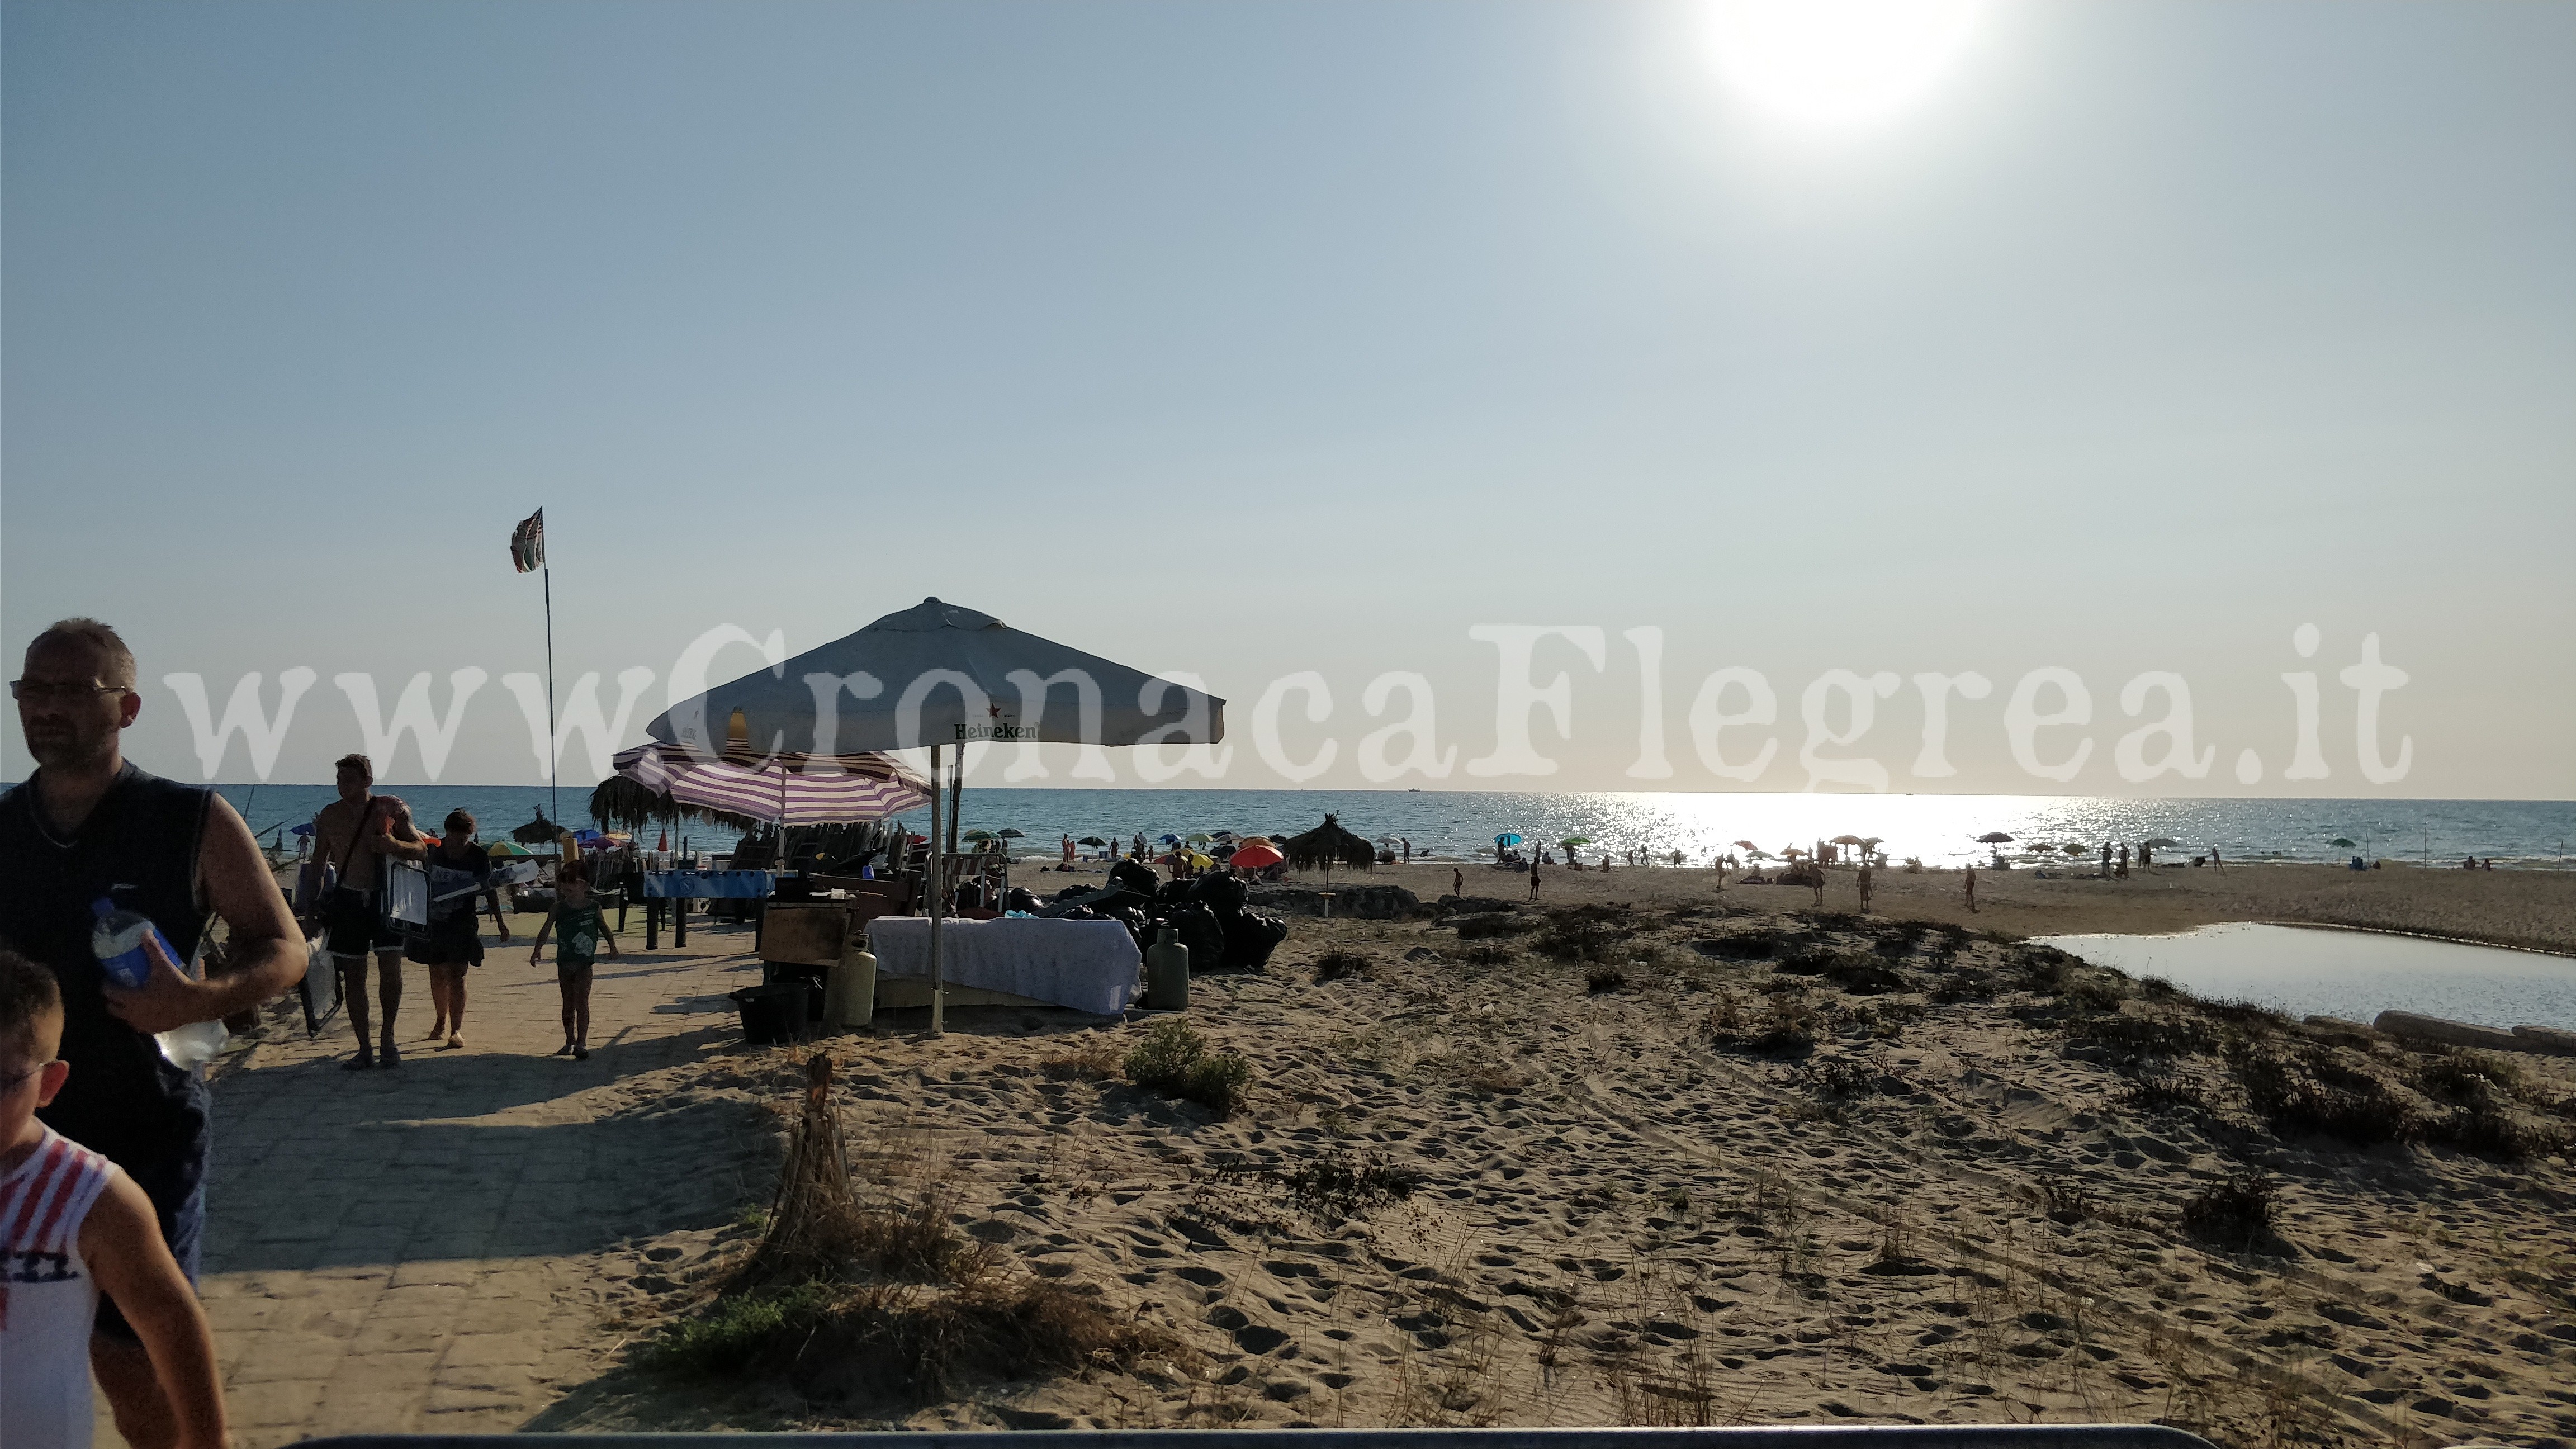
pixel 1250 937
pixel 1077 913
pixel 1020 899
pixel 1199 930
pixel 1133 919
pixel 1171 893
pixel 1136 876
pixel 1223 894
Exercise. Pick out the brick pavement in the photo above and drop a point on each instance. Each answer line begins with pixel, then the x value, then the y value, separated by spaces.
pixel 427 1249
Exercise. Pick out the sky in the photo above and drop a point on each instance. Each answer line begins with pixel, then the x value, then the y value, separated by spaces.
pixel 1258 339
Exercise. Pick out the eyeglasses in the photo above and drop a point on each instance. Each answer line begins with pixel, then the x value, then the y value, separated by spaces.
pixel 37 691
pixel 10 1083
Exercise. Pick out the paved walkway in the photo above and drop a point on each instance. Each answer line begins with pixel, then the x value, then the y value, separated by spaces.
pixel 426 1249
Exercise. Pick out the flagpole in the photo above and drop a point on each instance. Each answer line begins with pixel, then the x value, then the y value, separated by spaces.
pixel 554 736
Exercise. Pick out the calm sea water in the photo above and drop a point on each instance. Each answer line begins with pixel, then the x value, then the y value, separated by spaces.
pixel 1939 829
pixel 2352 974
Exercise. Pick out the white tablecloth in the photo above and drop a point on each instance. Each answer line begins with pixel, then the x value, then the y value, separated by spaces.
pixel 1087 965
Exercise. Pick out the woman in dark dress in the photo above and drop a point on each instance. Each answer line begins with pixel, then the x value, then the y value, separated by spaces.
pixel 459 874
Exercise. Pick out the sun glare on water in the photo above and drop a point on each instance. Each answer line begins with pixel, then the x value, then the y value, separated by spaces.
pixel 1839 63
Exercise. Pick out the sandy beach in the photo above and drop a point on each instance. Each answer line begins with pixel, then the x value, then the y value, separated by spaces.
pixel 1643 1156
pixel 2532 909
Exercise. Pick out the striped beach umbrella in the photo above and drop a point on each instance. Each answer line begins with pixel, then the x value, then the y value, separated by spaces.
pixel 782 789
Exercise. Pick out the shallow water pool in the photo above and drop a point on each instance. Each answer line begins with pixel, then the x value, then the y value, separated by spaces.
pixel 2351 974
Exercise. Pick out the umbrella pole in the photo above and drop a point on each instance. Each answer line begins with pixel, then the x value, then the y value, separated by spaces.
pixel 938 901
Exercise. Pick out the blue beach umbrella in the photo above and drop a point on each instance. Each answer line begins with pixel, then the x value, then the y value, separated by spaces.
pixel 1507 838
pixel 304 829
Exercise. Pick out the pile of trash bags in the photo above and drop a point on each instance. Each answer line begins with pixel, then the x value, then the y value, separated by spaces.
pixel 1208 915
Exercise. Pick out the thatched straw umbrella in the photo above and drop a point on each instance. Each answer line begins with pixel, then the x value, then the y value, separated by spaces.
pixel 622 800
pixel 539 831
pixel 1326 845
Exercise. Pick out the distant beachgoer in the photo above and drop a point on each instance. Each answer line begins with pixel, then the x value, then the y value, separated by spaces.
pixel 1816 879
pixel 2124 860
pixel 2214 860
pixel 583 929
pixel 2106 860
pixel 1533 880
pixel 1863 882
pixel 1457 882
pixel 452 942
pixel 1970 876
pixel 1068 850
pixel 1605 862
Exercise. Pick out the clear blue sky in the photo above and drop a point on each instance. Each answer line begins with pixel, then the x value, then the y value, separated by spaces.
pixel 1255 338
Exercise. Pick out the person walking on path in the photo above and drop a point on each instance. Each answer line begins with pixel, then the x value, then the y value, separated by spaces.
pixel 453 941
pixel 72 1225
pixel 1971 878
pixel 87 822
pixel 578 928
pixel 1863 882
pixel 354 835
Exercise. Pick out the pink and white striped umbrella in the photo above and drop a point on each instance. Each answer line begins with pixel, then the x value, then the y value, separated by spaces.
pixel 786 789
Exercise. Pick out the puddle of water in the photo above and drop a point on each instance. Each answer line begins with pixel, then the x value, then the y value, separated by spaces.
pixel 2351 974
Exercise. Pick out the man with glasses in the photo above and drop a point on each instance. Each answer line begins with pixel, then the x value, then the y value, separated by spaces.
pixel 89 825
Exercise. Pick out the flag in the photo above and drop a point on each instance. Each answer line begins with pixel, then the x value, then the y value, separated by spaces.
pixel 528 543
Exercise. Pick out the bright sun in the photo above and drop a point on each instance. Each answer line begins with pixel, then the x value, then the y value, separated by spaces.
pixel 1839 62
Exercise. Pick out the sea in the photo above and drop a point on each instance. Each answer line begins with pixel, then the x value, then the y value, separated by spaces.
pixel 1463 824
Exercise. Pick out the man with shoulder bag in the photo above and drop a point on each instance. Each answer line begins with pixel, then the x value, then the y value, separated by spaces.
pixel 354 836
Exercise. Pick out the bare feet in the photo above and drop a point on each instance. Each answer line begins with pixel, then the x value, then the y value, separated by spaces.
pixel 581 1054
pixel 565 1050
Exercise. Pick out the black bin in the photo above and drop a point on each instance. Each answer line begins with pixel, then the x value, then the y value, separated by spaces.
pixel 773 1013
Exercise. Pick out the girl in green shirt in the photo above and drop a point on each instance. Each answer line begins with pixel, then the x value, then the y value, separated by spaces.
pixel 577 921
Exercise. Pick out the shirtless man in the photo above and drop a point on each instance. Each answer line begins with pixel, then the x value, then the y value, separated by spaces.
pixel 353 835
pixel 88 822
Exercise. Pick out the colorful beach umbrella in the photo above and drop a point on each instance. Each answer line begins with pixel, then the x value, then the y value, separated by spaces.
pixel 1507 838
pixel 1255 857
pixel 782 789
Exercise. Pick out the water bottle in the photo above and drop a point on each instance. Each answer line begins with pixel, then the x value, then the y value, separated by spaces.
pixel 118 939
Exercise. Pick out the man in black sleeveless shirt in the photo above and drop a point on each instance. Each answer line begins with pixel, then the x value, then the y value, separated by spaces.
pixel 89 825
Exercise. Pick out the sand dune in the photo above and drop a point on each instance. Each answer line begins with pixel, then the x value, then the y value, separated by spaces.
pixel 1638 1197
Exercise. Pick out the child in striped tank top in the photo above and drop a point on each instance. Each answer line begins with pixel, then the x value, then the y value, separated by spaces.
pixel 72 1226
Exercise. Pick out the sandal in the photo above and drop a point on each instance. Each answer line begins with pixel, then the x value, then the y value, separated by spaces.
pixel 454 1040
pixel 359 1063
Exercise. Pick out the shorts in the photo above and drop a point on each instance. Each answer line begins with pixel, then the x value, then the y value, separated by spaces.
pixel 177 1188
pixel 352 926
pixel 566 973
pixel 447 947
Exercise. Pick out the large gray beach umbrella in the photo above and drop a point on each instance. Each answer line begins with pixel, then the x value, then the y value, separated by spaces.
pixel 940 675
